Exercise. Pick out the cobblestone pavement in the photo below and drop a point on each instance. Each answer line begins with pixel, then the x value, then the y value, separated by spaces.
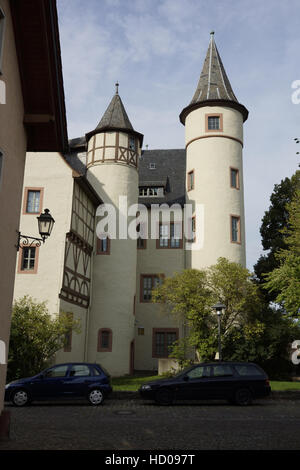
pixel 136 424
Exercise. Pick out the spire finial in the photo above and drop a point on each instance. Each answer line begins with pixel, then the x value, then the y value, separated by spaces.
pixel 117 88
pixel 212 33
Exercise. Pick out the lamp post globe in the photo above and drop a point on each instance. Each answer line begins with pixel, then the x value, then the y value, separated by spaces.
pixel 219 307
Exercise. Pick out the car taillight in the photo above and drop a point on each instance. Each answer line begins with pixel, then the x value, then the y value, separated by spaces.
pixel 268 382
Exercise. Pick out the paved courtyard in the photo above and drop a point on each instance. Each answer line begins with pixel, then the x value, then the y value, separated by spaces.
pixel 136 425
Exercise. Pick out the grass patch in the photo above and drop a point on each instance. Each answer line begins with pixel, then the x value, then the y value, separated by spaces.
pixel 131 383
pixel 277 386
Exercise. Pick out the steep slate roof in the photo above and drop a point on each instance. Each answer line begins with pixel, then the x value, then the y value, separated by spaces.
pixel 115 118
pixel 170 169
pixel 213 87
pixel 213 82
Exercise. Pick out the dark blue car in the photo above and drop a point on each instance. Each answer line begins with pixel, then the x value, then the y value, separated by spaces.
pixel 76 380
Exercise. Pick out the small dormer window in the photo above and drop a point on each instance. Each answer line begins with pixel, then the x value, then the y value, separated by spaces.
pixel 151 191
pixel 152 166
pixel 132 142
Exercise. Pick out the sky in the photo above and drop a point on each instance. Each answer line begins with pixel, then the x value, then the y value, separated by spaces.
pixel 155 49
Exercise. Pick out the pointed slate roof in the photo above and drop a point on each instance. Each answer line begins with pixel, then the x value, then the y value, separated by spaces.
pixel 213 88
pixel 115 118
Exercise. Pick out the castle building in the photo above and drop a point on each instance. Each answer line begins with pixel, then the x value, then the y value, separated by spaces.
pixel 105 281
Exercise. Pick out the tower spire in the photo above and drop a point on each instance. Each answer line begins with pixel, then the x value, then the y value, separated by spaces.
pixel 115 118
pixel 213 84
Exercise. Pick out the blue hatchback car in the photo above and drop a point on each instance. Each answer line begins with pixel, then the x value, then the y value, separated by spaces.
pixel 75 380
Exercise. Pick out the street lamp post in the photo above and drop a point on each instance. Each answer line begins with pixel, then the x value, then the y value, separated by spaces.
pixel 218 307
pixel 45 224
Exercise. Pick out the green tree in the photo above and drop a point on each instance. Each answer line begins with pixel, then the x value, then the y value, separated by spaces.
pixel 284 280
pixel 35 337
pixel 250 329
pixel 191 294
pixel 273 223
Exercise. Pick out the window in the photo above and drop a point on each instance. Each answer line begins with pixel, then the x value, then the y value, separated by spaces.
pixel 141 331
pixel 221 371
pixel 163 339
pixel 198 372
pixel 193 229
pixel 33 199
pixel 104 340
pixel 235 229
pixel 149 282
pixel 170 235
pixel 191 180
pixel 152 166
pixel 28 258
pixel 2 27
pixel 151 191
pixel 58 371
pixel 141 242
pixel 248 369
pixel 213 122
pixel 132 143
pixel 234 178
pixel 103 246
pixel 80 370
pixel 96 371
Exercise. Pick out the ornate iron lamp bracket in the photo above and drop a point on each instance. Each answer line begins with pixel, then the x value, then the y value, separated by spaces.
pixel 27 242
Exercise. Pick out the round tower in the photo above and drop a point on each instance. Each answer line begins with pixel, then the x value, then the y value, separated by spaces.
pixel 113 149
pixel 214 166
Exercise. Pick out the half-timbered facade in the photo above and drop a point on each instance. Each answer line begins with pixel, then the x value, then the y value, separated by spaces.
pixel 79 245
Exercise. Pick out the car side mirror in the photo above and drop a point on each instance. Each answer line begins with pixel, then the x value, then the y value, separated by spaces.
pixel 186 378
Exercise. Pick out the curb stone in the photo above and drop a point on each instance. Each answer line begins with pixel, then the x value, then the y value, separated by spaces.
pixel 275 395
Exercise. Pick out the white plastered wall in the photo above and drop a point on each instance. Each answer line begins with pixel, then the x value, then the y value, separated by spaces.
pixel 211 154
pixel 50 172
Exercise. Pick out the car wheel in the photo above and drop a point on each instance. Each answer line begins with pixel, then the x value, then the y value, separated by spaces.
pixel 164 396
pixel 20 398
pixel 95 397
pixel 243 397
